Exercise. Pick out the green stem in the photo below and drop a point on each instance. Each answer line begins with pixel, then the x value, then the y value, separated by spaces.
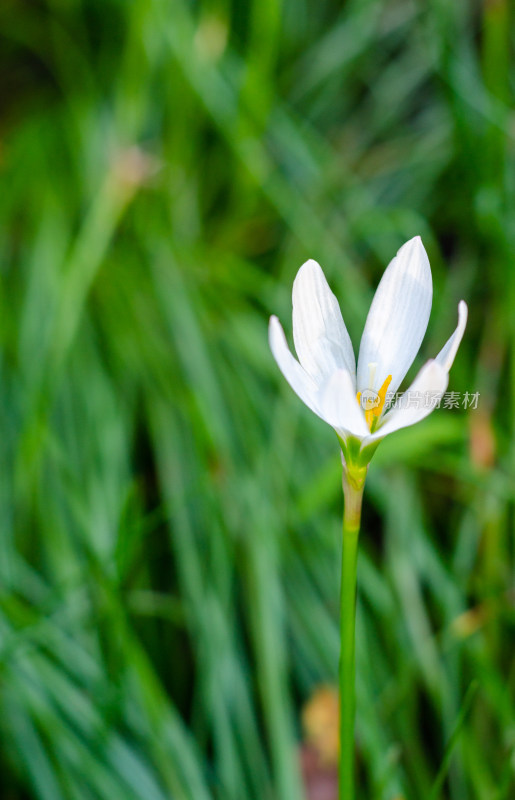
pixel 353 492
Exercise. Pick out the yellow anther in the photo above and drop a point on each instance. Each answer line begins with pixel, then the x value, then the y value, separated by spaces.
pixel 374 403
pixel 370 414
pixel 378 410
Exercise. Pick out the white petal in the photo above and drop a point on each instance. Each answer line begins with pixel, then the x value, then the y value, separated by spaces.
pixel 340 407
pixel 417 402
pixel 299 380
pixel 448 352
pixel 397 319
pixel 321 339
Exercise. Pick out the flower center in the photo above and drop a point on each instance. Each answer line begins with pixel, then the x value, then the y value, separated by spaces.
pixel 373 402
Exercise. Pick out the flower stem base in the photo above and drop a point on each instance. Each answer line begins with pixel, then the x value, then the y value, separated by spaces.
pixel 353 485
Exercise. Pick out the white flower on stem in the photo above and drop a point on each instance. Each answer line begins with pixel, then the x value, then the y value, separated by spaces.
pixel 355 401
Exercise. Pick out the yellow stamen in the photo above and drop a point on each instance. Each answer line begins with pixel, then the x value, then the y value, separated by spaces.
pixel 374 405
pixel 378 410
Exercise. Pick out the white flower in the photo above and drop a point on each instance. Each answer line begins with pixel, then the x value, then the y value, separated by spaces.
pixel 353 401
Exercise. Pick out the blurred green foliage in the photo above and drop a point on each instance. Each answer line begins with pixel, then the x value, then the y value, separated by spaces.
pixel 170 512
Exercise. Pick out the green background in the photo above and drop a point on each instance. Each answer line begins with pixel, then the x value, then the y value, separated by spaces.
pixel 169 510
